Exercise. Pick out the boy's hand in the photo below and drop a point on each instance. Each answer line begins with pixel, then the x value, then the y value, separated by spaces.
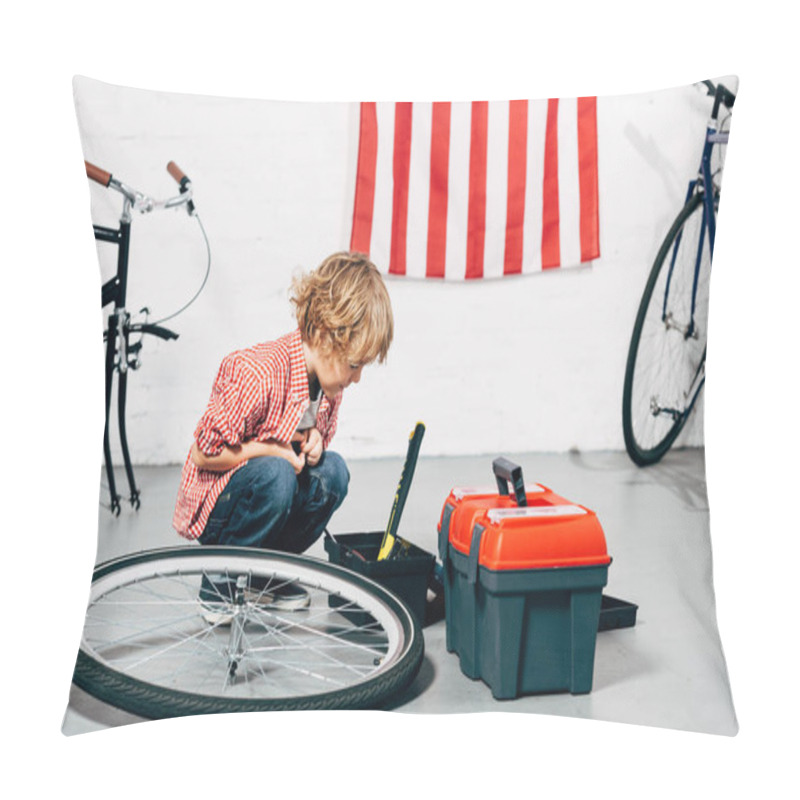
pixel 312 448
pixel 297 460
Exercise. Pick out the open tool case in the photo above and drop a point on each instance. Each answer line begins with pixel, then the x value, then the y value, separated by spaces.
pixel 407 576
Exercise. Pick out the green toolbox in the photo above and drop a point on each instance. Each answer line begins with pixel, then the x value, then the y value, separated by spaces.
pixel 523 575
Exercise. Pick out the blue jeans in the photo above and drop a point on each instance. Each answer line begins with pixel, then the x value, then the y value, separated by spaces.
pixel 267 505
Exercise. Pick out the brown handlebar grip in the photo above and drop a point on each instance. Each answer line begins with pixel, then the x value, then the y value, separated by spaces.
pixel 97 174
pixel 176 172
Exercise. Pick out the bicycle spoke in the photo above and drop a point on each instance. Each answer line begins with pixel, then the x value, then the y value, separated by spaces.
pixel 302 668
pixel 348 646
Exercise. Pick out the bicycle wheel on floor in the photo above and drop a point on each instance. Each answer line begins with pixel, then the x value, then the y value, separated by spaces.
pixel 665 370
pixel 150 647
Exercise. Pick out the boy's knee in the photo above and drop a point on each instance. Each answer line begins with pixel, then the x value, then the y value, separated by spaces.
pixel 337 476
pixel 276 476
pixel 327 483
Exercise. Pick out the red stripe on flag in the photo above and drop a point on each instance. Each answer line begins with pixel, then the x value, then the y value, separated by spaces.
pixel 365 179
pixel 587 166
pixel 401 165
pixel 476 212
pixel 551 243
pixel 437 197
pixel 517 166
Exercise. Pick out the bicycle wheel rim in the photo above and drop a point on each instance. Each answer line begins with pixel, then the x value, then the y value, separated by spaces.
pixel 665 370
pixel 147 649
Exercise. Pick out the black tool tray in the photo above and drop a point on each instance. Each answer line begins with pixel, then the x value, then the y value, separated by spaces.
pixel 615 613
pixel 407 576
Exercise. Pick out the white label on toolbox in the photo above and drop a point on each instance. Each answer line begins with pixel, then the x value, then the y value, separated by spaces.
pixel 498 514
pixel 461 493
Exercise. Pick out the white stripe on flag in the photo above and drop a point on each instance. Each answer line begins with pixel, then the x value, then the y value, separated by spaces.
pixel 384 185
pixel 418 190
pixel 458 191
pixel 532 241
pixel 496 190
pixel 569 209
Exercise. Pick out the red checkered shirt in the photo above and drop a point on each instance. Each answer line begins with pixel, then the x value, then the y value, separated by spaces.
pixel 259 393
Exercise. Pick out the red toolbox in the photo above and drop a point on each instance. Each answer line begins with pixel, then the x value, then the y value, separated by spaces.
pixel 523 581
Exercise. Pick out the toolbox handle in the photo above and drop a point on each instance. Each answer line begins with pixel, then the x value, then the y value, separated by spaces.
pixel 444 530
pixel 473 560
pixel 506 472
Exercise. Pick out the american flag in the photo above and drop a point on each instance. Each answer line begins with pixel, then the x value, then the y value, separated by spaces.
pixel 477 190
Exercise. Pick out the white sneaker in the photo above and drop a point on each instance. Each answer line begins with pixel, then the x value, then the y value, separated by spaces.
pixel 217 613
pixel 289 596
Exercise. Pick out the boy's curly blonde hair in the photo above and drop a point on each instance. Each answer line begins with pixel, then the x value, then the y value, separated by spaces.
pixel 343 308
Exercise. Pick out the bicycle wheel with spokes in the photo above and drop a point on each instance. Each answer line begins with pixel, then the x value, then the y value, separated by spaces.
pixel 149 648
pixel 665 370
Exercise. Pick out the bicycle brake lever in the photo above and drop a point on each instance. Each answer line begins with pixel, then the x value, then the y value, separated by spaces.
pixel 186 187
pixel 185 184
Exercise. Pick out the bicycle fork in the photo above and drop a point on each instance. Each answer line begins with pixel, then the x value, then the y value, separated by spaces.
pixel 113 291
pixel 689 330
pixel 117 356
pixel 704 185
pixel 693 392
pixel 114 334
pixel 236 647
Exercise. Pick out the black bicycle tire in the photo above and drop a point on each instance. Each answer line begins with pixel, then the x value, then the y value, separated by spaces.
pixel 155 702
pixel 640 456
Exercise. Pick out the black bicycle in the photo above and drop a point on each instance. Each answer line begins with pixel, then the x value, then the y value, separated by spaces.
pixel 121 353
pixel 665 371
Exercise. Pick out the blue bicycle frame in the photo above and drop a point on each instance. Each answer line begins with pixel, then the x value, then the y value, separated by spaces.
pixel 703 183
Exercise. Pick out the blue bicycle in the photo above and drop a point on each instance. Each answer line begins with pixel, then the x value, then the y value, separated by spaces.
pixel 665 371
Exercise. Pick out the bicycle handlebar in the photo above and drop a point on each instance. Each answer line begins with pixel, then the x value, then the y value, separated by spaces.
pixel 142 202
pixel 728 96
pixel 183 180
pixel 177 173
pixel 724 96
pixel 97 174
pixel 721 94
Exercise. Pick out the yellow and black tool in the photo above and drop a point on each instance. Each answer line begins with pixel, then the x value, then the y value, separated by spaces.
pixel 390 536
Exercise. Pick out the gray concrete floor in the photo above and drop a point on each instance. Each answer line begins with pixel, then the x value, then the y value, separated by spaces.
pixel 667 671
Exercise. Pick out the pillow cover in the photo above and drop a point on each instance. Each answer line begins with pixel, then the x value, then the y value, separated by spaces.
pixel 516 239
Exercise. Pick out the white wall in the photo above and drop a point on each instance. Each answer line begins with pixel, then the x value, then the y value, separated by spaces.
pixel 515 364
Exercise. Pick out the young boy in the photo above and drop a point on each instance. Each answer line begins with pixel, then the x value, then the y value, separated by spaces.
pixel 259 473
